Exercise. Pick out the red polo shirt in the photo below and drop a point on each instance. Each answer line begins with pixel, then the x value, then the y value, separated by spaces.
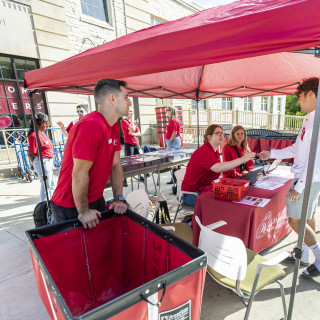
pixel 173 125
pixel 198 173
pixel 228 154
pixel 71 124
pixel 125 123
pixel 45 143
pixel 91 139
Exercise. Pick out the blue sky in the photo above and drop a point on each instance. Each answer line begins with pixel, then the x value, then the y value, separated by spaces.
pixel 212 3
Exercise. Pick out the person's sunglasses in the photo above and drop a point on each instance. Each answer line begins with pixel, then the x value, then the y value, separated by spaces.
pixel 80 111
pixel 219 133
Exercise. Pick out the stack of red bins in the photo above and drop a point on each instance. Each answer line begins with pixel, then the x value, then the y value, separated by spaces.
pixel 230 189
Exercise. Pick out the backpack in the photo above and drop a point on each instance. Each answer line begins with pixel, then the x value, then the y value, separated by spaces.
pixel 147 149
pixel 41 214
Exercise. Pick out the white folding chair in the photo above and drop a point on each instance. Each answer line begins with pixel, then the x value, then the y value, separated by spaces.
pixel 140 203
pixel 238 268
pixel 181 206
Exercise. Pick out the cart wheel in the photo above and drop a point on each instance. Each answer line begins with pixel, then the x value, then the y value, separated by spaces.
pixel 19 173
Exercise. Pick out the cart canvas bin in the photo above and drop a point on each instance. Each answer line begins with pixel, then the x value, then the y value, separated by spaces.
pixel 125 268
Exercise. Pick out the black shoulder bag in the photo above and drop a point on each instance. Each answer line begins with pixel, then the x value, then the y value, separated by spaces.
pixel 243 165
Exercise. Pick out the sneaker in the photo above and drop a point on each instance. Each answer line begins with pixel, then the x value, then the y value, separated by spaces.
pixel 170 182
pixel 291 259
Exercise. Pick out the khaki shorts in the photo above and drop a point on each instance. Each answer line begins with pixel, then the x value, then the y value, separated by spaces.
pixel 294 208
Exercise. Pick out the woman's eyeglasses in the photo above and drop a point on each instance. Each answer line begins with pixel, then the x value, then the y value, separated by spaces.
pixel 219 133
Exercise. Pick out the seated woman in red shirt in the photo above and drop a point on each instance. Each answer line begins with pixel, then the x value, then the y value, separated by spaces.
pixel 205 166
pixel 235 148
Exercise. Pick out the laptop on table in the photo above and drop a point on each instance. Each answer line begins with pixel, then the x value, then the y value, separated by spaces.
pixel 253 175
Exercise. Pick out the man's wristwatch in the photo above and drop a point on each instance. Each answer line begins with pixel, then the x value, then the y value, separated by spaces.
pixel 119 198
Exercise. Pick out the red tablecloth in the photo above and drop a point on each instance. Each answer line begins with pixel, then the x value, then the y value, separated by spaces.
pixel 258 227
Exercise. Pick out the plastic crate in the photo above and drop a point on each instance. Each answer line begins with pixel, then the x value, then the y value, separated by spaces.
pixel 230 189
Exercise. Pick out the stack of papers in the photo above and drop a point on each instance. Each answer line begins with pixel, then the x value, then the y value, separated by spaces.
pixel 254 201
pixel 270 182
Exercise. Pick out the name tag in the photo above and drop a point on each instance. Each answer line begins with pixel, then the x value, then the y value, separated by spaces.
pixel 110 141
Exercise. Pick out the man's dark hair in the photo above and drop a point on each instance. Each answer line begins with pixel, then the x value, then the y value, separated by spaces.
pixel 309 84
pixel 84 106
pixel 107 86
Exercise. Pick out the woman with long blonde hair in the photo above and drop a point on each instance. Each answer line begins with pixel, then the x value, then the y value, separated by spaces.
pixel 235 148
pixel 172 134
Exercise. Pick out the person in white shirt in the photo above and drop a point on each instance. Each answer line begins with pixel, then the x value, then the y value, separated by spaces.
pixel 307 98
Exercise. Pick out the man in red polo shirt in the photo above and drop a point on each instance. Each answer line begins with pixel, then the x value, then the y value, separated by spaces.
pixel 91 155
pixel 131 133
pixel 82 110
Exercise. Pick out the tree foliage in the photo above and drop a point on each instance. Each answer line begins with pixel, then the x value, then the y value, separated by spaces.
pixel 293 107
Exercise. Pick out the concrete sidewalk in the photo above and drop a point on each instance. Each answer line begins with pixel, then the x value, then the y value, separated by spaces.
pixel 19 295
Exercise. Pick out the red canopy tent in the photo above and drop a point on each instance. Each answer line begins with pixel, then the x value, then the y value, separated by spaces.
pixel 248 34
pixel 243 29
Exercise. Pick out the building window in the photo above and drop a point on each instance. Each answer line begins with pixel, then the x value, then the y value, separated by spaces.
pixel 14 99
pixel 264 103
pixel 226 104
pixel 155 20
pixel 247 104
pixel 279 104
pixel 95 8
pixel 202 104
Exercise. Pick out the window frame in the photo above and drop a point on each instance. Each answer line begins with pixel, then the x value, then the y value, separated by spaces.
pixel 227 104
pixel 106 11
pixel 202 104
pixel 264 106
pixel 247 101
pixel 19 84
pixel 279 100
pixel 155 18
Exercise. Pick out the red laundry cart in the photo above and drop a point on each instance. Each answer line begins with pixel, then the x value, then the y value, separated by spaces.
pixel 125 268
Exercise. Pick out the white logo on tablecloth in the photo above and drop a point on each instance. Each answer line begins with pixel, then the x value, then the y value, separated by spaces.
pixel 268 224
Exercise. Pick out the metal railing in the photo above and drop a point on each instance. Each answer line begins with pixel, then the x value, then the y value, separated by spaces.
pixel 7 151
pixel 7 148
pixel 248 119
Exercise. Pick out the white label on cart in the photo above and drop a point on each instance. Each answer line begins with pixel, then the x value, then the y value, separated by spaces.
pixel 182 312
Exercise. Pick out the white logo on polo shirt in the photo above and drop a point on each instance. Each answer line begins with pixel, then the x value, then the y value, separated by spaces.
pixel 110 141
